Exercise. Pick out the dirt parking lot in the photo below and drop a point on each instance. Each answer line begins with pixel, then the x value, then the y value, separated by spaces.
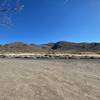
pixel 22 79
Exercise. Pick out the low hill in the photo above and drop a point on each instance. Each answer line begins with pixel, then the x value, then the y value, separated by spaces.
pixel 19 47
pixel 61 47
pixel 64 46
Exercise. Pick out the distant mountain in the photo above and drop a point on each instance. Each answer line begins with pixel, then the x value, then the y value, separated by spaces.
pixel 48 46
pixel 61 47
pixel 19 47
pixel 64 46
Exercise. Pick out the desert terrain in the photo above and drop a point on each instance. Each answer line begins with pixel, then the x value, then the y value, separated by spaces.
pixel 70 79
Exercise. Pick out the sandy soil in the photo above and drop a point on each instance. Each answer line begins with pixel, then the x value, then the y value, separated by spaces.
pixel 49 79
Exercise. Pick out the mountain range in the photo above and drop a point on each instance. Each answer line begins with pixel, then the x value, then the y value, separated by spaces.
pixel 58 47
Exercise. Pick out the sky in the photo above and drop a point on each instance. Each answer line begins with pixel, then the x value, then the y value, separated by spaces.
pixel 43 21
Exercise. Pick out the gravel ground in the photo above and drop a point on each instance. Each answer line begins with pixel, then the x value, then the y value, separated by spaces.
pixel 22 79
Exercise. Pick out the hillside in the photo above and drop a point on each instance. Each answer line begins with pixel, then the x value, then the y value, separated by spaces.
pixel 19 47
pixel 61 47
pixel 64 46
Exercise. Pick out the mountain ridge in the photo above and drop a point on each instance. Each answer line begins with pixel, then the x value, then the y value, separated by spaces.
pixel 60 46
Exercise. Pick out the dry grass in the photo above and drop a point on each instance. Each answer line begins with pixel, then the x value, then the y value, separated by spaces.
pixel 49 79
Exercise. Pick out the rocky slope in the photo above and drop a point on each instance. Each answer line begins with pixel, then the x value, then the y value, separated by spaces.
pixel 61 47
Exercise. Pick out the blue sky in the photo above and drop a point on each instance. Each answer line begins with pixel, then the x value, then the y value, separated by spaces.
pixel 43 21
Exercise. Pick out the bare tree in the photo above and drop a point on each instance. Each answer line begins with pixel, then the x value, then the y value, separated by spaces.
pixel 7 9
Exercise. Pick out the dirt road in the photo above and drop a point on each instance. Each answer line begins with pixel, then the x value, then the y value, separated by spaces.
pixel 49 79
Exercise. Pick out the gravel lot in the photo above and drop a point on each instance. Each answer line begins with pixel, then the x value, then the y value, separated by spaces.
pixel 22 79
